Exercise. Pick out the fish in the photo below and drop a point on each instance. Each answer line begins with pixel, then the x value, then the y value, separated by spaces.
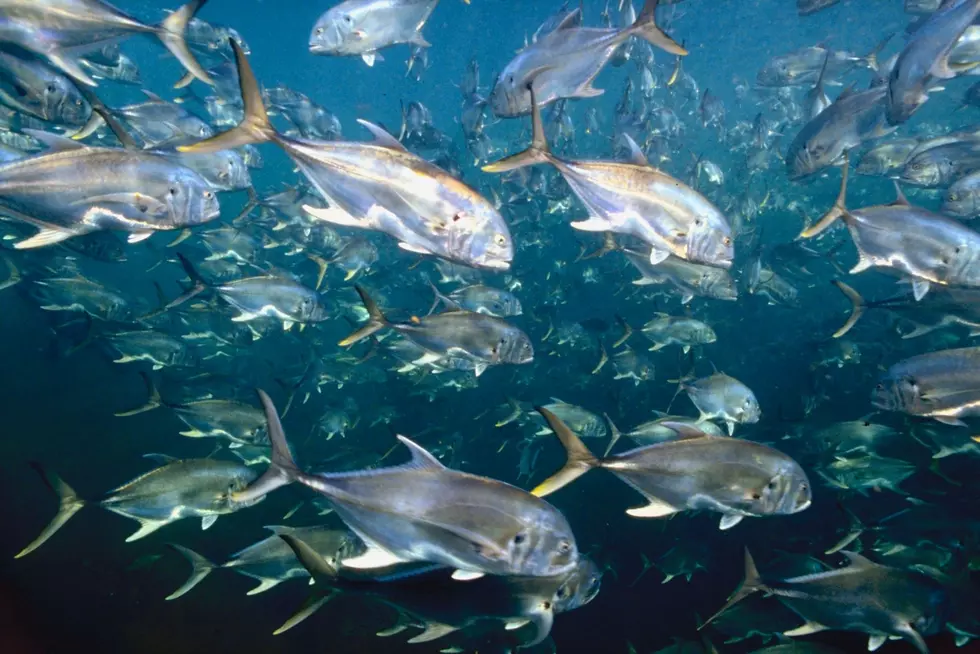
pixel 60 30
pixel 667 330
pixel 88 189
pixel 722 396
pixel 181 488
pixel 810 7
pixel 925 247
pixel 33 88
pixel 925 59
pixel 564 62
pixel 866 597
pixel 483 339
pixel 406 513
pixel 636 199
pixel 363 27
pixel 938 385
pixel 696 471
pixel 424 208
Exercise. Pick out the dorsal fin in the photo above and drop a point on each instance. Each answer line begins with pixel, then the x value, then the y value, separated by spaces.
pixel 573 19
pixel 54 142
pixel 422 459
pixel 900 199
pixel 152 96
pixel 858 561
pixel 636 154
pixel 684 430
pixel 382 136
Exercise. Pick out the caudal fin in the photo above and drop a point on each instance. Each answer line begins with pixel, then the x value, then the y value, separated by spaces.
pixel 537 153
pixel 69 504
pixel 857 307
pixel 254 128
pixel 172 32
pixel 646 28
pixel 750 584
pixel 376 319
pixel 323 573
pixel 580 459
pixel 154 401
pixel 614 434
pixel 839 209
pixel 282 468
pixel 201 568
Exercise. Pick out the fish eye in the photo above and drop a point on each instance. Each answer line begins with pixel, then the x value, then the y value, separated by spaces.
pixel 519 538
pixel 348 19
pixel 564 547
pixel 499 239
pixel 953 197
pixel 726 240
pixel 756 496
pixel 561 593
pixel 52 88
pixel 319 30
pixel 173 190
pixel 208 195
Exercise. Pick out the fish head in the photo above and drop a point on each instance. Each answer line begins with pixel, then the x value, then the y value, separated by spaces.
pixel 232 173
pixel 580 587
pixel 190 199
pixel 934 610
pixel 481 239
pixel 746 409
pixel 336 31
pixel 704 334
pixel 514 346
pixel 709 244
pixel 904 97
pixel 513 306
pixel 960 203
pixel 544 546
pixel 510 96
pixel 895 393
pixel 61 102
pixel 807 159
pixel 238 483
pixel 718 284
pixel 922 171
pixel 310 309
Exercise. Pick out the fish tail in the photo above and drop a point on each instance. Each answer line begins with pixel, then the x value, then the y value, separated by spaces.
pixel 537 153
pixel 580 459
pixel 154 401
pixel 376 319
pixel 870 60
pixel 199 286
pixel 201 568
pixel 627 330
pixel 439 297
pixel 646 28
pixel 254 128
pixel 320 569
pixel 609 244
pixel 751 584
pixel 838 210
pixel 171 33
pixel 282 469
pixel 614 434
pixel 857 307
pixel 69 504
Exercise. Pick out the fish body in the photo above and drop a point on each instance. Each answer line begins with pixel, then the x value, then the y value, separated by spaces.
pixel 925 58
pixel 942 385
pixel 363 27
pixel 667 330
pixel 73 190
pixel 688 279
pixel 217 418
pixel 423 511
pixel 724 397
pixel 159 349
pixel 564 62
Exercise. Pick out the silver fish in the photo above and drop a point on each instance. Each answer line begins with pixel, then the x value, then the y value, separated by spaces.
pixel 363 27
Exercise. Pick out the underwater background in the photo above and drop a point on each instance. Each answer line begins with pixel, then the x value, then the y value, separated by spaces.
pixel 88 590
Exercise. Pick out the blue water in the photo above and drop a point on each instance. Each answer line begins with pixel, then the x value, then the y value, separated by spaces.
pixel 79 591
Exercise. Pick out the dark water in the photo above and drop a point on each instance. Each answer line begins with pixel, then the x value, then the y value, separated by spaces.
pixel 80 592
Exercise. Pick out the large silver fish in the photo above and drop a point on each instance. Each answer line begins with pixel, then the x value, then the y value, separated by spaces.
pixel 361 28
pixel 73 189
pixel 636 199
pixel 925 247
pixel 943 385
pixel 563 63
pixel 189 488
pixel 60 30
pixel 34 88
pixel 733 477
pixel 880 601
pixel 380 186
pixel 424 511
pixel 925 58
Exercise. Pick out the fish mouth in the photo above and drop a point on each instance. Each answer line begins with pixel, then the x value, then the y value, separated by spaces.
pixel 318 48
pixel 498 264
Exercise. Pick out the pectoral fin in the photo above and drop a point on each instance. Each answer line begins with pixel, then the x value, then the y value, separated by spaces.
pixel 207 521
pixel 655 509
pixel 805 630
pixel 374 557
pixel 729 520
pixel 466 575
pixel 147 527
pixel 433 631
pixel 919 288
pixel 44 237
pixel 593 224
